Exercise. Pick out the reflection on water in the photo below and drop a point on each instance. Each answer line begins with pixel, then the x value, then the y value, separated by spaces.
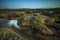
pixel 9 23
pixel 13 23
pixel 3 22
pixel 38 25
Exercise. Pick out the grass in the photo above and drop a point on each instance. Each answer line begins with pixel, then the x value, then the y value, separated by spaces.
pixel 9 34
pixel 41 22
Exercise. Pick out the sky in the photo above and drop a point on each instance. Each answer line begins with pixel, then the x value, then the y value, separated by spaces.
pixel 29 4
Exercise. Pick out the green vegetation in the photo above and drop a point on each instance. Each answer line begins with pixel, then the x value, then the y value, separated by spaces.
pixel 41 26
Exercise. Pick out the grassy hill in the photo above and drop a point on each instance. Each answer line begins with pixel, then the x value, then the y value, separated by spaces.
pixel 43 22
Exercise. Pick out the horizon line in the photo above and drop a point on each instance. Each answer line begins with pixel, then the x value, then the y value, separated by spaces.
pixel 29 8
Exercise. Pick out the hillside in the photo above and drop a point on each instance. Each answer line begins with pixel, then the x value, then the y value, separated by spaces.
pixel 37 24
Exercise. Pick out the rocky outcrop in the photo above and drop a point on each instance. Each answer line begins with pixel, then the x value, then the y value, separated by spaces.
pixel 37 27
